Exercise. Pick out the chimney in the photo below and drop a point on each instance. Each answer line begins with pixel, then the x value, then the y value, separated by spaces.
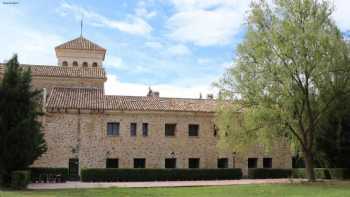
pixel 210 96
pixel 152 93
pixel 156 94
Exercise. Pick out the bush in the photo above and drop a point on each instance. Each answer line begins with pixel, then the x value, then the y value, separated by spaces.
pixel 324 173
pixel 264 173
pixel 106 175
pixel 42 174
pixel 1 180
pixel 20 179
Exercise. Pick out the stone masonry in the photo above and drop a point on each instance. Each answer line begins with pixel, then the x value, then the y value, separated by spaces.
pixel 77 114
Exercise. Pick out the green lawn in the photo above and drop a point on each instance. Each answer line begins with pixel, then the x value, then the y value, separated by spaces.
pixel 338 189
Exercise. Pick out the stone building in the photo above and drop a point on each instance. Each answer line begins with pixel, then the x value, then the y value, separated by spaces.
pixel 85 128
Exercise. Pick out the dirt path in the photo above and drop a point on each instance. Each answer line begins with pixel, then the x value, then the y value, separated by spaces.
pixel 72 185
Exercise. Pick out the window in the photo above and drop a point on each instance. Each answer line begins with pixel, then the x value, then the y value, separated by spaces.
pixel 85 64
pixel 193 129
pixel 193 163
pixel 222 163
pixel 170 163
pixel 170 129
pixel 112 163
pixel 267 162
pixel 94 64
pixel 113 128
pixel 64 63
pixel 133 129
pixel 215 130
pixel 139 163
pixel 252 162
pixel 75 63
pixel 145 129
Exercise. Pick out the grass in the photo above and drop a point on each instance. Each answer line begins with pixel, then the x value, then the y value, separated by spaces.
pixel 320 189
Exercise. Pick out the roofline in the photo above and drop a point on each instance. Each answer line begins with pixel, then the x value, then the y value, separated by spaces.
pixel 126 110
pixel 53 76
pixel 102 49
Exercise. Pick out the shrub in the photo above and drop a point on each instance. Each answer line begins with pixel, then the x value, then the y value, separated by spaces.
pixel 42 174
pixel 20 179
pixel 264 173
pixel 106 175
pixel 324 173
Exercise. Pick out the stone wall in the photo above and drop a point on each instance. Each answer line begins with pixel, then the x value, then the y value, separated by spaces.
pixel 50 82
pixel 84 136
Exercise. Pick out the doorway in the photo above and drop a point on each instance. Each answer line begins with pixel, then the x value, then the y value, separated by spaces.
pixel 74 169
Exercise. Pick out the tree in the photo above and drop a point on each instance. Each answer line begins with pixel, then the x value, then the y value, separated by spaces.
pixel 21 139
pixel 333 143
pixel 291 71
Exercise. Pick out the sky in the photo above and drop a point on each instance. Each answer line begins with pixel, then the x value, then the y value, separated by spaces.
pixel 176 47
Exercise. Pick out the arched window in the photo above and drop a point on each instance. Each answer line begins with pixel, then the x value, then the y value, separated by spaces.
pixel 75 63
pixel 94 64
pixel 85 64
pixel 64 63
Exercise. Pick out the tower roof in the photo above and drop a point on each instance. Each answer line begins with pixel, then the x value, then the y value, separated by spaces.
pixel 81 43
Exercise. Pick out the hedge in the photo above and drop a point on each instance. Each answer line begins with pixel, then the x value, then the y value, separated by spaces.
pixel 109 175
pixel 20 179
pixel 269 173
pixel 324 173
pixel 42 174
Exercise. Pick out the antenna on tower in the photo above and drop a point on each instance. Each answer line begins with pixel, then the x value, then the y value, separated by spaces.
pixel 81 26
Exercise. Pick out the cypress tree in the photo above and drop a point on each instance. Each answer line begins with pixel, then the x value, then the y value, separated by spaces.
pixel 21 137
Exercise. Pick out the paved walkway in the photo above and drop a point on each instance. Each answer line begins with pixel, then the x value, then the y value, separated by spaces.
pixel 73 185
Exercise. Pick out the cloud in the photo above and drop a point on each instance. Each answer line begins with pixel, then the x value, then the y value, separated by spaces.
pixel 143 12
pixel 205 22
pixel 33 46
pixel 115 87
pixel 114 62
pixel 154 45
pixel 341 14
pixel 179 50
pixel 132 24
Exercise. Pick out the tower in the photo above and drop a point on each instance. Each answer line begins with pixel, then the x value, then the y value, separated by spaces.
pixel 80 52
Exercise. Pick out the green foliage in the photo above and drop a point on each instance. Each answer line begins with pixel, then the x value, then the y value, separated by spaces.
pixel 333 144
pixel 21 139
pixel 103 175
pixel 324 173
pixel 20 179
pixel 262 173
pixel 291 71
pixel 38 174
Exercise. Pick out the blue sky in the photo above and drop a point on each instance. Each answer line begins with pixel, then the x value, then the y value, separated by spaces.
pixel 178 47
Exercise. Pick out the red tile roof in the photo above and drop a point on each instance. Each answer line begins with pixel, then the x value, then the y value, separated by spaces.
pixel 80 43
pixel 60 71
pixel 94 99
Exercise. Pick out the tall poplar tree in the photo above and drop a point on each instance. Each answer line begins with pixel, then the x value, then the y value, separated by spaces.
pixel 291 71
pixel 21 138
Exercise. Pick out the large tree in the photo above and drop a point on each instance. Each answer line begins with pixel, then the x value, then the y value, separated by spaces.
pixel 291 71
pixel 21 138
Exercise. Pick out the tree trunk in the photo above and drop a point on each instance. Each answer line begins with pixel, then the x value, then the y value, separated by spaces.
pixel 309 166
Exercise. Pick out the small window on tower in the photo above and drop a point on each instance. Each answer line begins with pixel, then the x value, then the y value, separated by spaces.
pixel 64 63
pixel 85 64
pixel 94 64
pixel 75 63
